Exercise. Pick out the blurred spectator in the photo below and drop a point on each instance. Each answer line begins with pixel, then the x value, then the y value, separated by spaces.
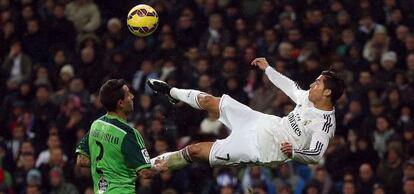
pixel 389 170
pixel 286 179
pixel 366 179
pixel 34 41
pixel 409 185
pixel 263 96
pixel 144 73
pixel 85 16
pixel 17 65
pixel 349 188
pixel 43 109
pixel 216 33
pixel 25 163
pixel 382 134
pixel 210 125
pixel 408 169
pixel 258 177
pixel 63 31
pixel 53 142
pixel 58 183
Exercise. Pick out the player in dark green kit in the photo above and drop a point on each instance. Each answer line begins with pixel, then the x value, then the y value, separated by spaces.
pixel 115 151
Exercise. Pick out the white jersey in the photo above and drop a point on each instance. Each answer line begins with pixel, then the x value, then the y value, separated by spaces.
pixel 256 137
pixel 308 129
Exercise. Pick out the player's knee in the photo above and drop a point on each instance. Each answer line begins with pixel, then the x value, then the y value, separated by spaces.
pixel 208 101
pixel 194 150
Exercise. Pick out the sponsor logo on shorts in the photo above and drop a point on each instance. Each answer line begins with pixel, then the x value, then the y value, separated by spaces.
pixel 227 158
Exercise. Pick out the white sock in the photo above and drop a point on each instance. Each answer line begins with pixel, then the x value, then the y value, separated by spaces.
pixel 175 160
pixel 187 96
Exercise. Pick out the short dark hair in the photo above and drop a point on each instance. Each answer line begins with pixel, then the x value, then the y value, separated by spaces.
pixel 111 92
pixel 334 83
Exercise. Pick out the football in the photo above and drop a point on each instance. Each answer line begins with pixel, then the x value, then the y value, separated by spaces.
pixel 142 20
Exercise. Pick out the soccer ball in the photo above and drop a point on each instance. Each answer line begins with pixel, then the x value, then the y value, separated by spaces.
pixel 142 20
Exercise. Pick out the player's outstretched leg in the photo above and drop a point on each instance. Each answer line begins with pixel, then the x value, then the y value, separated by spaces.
pixel 194 98
pixel 180 159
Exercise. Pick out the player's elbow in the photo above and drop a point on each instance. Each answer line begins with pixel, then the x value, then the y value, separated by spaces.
pixel 315 159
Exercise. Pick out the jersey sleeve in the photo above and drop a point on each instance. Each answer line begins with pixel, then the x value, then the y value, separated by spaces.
pixel 318 145
pixel 134 151
pixel 289 87
pixel 83 147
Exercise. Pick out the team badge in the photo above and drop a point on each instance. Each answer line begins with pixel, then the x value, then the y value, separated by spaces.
pixel 102 185
pixel 306 122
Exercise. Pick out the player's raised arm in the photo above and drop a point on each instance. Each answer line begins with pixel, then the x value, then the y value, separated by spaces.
pixel 288 86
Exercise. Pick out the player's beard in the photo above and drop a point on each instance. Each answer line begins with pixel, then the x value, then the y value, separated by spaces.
pixel 130 108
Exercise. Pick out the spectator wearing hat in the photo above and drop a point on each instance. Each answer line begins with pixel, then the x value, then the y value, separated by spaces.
pixel 66 74
pixel 34 177
pixel 388 63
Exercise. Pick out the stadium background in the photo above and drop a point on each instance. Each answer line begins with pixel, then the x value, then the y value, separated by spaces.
pixel 54 55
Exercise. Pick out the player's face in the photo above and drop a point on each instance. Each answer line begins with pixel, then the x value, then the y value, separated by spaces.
pixel 127 103
pixel 317 89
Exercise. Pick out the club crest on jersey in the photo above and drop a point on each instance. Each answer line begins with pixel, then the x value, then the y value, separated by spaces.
pixel 146 155
pixel 306 122
pixel 102 185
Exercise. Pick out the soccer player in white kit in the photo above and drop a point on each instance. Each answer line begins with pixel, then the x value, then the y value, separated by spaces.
pixel 257 138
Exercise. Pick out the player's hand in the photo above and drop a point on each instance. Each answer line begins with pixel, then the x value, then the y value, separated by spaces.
pixel 286 148
pixel 161 165
pixel 260 62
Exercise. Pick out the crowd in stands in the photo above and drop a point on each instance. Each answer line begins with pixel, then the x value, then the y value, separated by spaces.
pixel 55 54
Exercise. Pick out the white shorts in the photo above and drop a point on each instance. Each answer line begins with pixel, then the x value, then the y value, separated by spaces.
pixel 247 128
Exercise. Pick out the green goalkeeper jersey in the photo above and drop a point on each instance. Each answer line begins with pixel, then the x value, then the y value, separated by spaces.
pixel 117 152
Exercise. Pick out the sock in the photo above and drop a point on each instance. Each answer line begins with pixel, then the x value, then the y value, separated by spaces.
pixel 187 96
pixel 175 160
